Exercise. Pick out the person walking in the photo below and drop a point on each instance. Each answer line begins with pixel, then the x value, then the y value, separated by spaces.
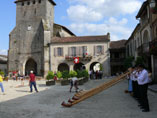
pixel 74 82
pixel 143 81
pixel 32 82
pixel 90 74
pixel 1 84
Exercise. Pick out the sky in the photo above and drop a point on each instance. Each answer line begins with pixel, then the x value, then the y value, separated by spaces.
pixel 82 17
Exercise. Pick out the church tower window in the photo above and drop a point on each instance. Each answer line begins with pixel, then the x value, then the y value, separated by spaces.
pixel 22 3
pixel 34 2
pixel 35 11
pixel 28 3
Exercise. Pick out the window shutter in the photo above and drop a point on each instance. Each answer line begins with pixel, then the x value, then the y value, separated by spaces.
pixel 62 50
pixel 68 51
pixel 94 50
pixel 86 49
pixel 77 51
pixel 103 50
pixel 54 51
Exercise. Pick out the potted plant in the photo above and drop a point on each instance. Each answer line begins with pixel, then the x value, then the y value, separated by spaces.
pixel 65 76
pixel 73 73
pixel 59 76
pixel 49 78
pixel 80 77
pixel 85 75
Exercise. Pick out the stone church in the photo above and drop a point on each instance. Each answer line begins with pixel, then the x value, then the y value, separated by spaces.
pixel 38 44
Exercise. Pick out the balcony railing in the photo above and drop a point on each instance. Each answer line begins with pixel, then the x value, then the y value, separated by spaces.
pixel 117 59
pixel 143 49
pixel 82 57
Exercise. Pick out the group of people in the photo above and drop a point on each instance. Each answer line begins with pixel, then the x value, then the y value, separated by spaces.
pixel 138 86
pixel 32 82
pixel 95 75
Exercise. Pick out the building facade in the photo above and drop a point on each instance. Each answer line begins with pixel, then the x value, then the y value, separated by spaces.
pixel 117 56
pixel 142 41
pixel 3 63
pixel 38 44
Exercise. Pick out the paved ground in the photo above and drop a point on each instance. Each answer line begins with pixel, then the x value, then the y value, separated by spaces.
pixel 111 103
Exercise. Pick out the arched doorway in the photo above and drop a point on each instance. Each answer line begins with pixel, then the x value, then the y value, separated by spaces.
pixel 30 65
pixel 79 66
pixel 63 67
pixel 94 65
pixel 145 37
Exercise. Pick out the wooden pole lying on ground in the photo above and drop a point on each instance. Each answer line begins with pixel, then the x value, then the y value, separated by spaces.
pixel 82 95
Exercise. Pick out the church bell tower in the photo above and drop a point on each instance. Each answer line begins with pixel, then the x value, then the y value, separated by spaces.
pixel 28 49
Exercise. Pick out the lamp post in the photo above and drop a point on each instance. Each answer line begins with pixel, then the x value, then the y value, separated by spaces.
pixel 152 5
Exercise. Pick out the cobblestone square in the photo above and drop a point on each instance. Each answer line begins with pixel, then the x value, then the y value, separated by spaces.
pixel 111 103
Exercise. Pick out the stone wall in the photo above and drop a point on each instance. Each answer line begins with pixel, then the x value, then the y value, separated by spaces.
pixel 29 39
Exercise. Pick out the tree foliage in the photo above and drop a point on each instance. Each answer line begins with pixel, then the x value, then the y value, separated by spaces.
pixel 128 62
pixel 139 60
pixel 50 75
pixel 65 74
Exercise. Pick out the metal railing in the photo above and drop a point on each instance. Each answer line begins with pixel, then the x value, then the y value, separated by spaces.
pixel 82 57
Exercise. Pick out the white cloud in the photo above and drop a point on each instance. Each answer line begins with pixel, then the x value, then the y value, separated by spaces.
pixel 98 17
pixel 3 52
pixel 81 13
pixel 116 28
pixel 89 10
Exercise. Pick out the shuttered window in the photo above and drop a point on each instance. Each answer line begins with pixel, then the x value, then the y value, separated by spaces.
pixel 73 51
pixel 98 50
pixel 60 51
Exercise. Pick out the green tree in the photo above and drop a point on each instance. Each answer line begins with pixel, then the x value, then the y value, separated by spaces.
pixel 73 73
pixel 59 74
pixel 85 73
pixel 79 74
pixel 101 67
pixel 139 60
pixel 1 73
pixel 50 75
pixel 65 74
pixel 128 62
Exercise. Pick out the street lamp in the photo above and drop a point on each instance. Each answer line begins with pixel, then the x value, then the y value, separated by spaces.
pixel 152 4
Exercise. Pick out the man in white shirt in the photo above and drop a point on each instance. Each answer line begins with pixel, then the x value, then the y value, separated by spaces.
pixel 74 82
pixel 143 81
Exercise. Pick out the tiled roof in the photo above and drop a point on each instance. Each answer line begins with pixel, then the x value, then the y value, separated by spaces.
pixel 117 44
pixel 64 28
pixel 134 31
pixel 29 0
pixel 143 7
pixel 103 38
pixel 3 59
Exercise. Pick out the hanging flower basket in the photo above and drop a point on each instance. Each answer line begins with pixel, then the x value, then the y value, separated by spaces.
pixel 153 50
